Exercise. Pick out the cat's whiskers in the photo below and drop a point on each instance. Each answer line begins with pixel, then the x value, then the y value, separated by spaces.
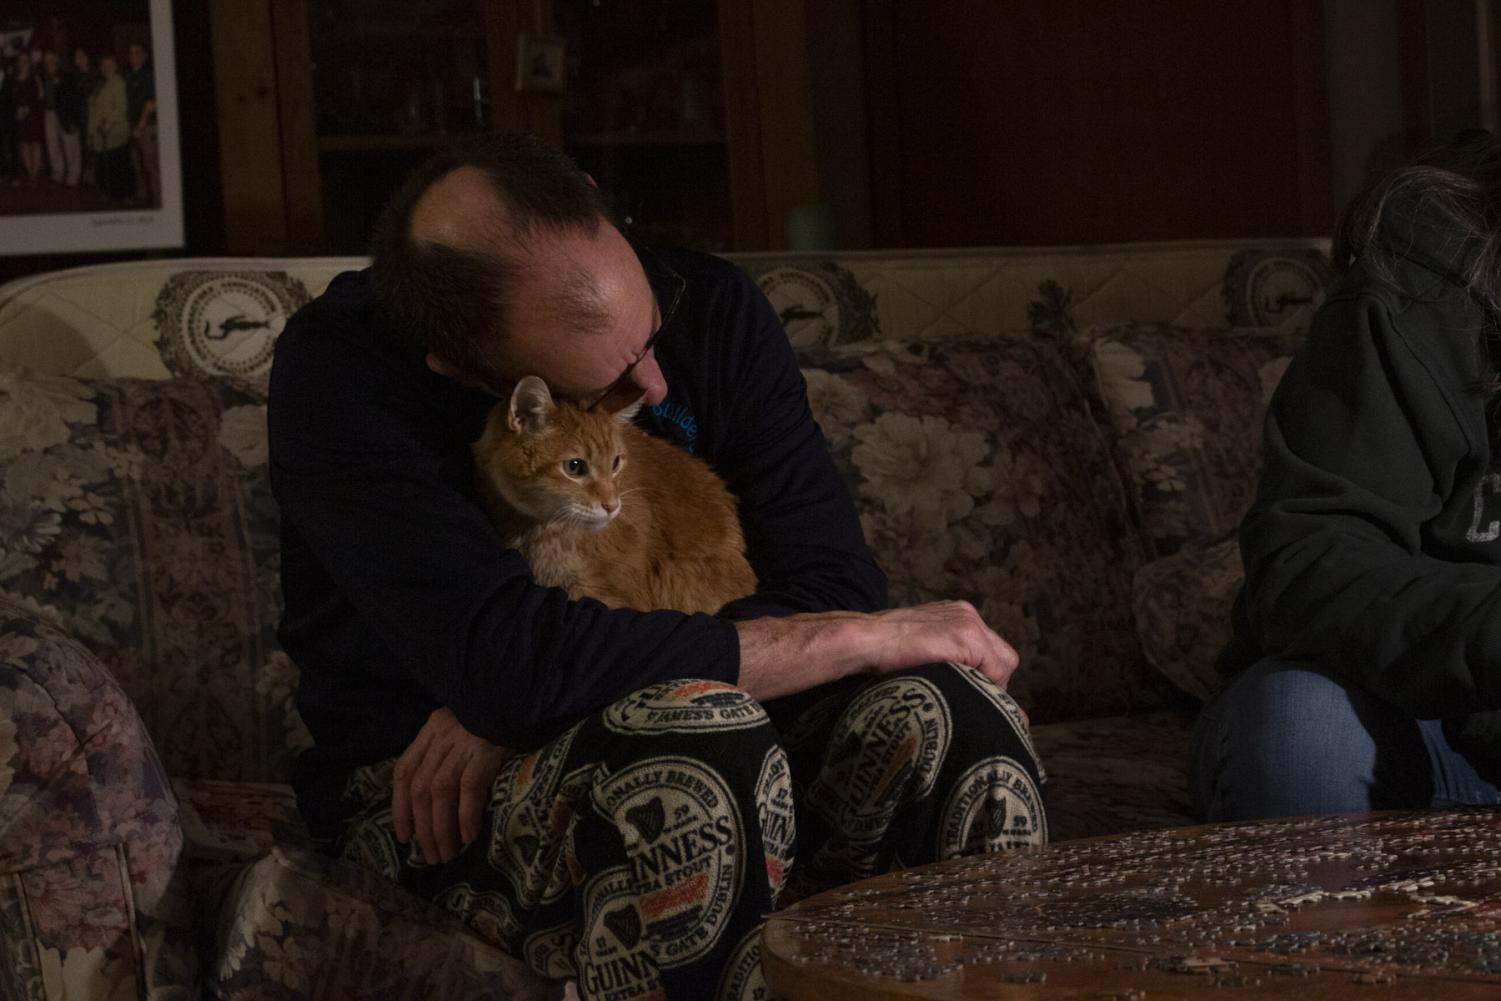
pixel 576 514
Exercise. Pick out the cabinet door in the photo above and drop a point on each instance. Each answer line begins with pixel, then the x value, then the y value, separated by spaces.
pixel 644 113
pixel 693 115
pixel 325 105
pixel 392 80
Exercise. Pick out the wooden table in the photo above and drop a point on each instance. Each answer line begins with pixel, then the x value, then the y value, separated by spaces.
pixel 1373 906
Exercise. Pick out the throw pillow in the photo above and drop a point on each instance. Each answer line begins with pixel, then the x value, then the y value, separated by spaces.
pixel 1182 605
pixel 93 894
pixel 979 474
pixel 138 513
pixel 1187 408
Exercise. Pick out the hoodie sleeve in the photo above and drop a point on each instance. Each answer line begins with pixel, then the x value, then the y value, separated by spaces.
pixel 802 534
pixel 1371 439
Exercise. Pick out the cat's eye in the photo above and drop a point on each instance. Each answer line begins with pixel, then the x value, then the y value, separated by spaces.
pixel 575 467
pixel 616 467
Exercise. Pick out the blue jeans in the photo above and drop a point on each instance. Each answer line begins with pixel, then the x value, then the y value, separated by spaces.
pixel 1285 739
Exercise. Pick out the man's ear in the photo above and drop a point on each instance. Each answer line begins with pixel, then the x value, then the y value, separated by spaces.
pixel 531 407
pixel 457 373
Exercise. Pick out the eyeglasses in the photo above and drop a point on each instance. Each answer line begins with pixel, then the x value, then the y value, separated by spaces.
pixel 679 284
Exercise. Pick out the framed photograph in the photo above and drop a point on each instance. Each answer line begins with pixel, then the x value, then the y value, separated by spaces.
pixel 539 63
pixel 89 155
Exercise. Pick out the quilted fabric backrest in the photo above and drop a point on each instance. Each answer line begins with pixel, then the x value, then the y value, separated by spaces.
pixel 157 319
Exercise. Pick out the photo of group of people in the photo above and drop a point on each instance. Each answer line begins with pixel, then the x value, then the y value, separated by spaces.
pixel 81 115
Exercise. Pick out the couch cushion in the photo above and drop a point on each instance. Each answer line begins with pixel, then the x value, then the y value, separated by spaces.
pixel 93 889
pixel 1116 774
pixel 298 925
pixel 979 474
pixel 1182 605
pixel 1187 408
pixel 139 513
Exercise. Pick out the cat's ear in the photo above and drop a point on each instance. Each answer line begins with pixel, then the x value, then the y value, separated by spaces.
pixel 627 413
pixel 531 406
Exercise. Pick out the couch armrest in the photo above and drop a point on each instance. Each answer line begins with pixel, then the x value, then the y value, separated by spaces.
pixel 93 892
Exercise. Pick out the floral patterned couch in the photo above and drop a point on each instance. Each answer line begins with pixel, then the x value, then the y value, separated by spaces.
pixel 1065 437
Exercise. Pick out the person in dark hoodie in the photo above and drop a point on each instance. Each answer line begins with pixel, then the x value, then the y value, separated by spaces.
pixel 1365 669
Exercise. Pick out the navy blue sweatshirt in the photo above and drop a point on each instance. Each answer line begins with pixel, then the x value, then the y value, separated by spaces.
pixel 400 597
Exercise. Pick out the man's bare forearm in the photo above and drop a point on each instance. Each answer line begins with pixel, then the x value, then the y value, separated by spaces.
pixel 783 656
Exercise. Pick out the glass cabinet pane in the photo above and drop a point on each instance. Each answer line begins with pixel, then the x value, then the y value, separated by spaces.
pixel 397 68
pixel 391 80
pixel 644 113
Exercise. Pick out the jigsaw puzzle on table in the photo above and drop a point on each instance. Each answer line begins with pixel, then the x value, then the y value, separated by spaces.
pixel 1402 905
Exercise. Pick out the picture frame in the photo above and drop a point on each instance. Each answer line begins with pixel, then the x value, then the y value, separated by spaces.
pixel 541 63
pixel 90 179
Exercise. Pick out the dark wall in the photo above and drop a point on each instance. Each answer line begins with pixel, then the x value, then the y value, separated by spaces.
pixel 1085 121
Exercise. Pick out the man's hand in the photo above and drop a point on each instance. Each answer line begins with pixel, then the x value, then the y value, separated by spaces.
pixel 440 786
pixel 941 631
pixel 780 656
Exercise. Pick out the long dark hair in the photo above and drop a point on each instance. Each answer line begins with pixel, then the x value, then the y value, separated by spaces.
pixel 1458 186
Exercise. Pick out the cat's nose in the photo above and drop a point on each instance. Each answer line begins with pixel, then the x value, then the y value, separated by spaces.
pixel 610 506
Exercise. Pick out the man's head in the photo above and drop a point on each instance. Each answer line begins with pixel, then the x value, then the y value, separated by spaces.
pixel 52 62
pixel 107 66
pixel 81 59
pixel 136 54
pixel 498 260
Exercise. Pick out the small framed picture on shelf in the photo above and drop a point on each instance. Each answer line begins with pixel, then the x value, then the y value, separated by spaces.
pixel 539 63
pixel 88 127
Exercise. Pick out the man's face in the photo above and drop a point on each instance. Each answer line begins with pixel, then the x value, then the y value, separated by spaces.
pixel 107 66
pixel 52 63
pixel 582 364
pixel 545 337
pixel 137 55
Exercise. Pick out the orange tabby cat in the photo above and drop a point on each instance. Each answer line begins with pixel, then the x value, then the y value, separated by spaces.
pixel 603 509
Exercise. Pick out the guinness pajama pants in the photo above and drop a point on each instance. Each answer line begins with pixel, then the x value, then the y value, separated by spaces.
pixel 638 852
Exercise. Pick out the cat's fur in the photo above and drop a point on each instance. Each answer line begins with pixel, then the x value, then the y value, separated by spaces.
pixel 659 531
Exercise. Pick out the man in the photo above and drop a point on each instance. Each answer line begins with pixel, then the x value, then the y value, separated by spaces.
pixel 64 121
pixel 109 132
pixel 140 92
pixel 639 845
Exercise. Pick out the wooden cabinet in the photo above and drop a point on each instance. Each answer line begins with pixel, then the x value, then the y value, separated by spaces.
pixel 694 115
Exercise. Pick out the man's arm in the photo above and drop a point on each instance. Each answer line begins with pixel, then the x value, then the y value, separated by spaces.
pixel 147 110
pixel 369 480
pixel 441 783
pixel 783 656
